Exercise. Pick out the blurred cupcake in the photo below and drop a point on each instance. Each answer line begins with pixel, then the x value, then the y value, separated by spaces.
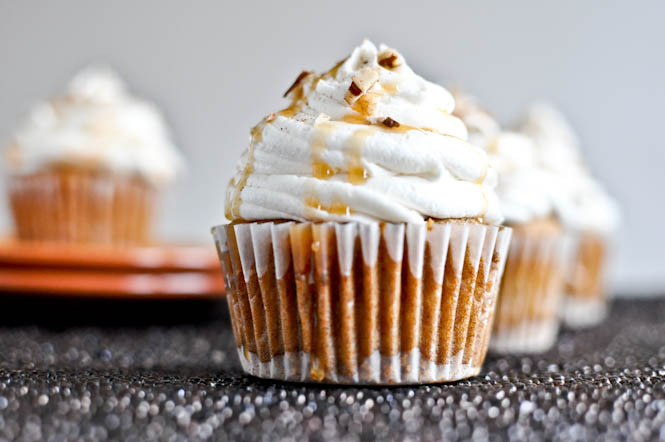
pixel 364 245
pixel 526 317
pixel 86 167
pixel 588 213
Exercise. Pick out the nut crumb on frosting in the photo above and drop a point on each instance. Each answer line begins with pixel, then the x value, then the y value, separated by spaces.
pixel 361 83
pixel 389 122
pixel 389 59
pixel 332 129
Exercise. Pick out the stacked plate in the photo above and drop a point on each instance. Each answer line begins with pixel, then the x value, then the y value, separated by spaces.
pixel 159 271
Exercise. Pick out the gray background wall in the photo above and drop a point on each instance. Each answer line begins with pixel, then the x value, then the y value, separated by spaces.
pixel 216 68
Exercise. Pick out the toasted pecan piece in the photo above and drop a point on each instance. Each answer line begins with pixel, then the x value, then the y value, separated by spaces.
pixel 389 122
pixel 361 83
pixel 389 59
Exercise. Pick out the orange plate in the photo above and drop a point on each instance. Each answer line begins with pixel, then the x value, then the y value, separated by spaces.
pixel 157 272
pixel 145 258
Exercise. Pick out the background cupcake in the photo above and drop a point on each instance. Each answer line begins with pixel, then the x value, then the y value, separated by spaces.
pixel 86 167
pixel 364 245
pixel 588 213
pixel 526 318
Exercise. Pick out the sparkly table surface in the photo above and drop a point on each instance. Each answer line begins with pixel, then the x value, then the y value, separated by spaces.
pixel 88 370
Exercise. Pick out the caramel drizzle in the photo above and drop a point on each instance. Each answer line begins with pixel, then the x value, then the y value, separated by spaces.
pixel 336 207
pixel 233 209
pixel 321 169
pixel 357 173
pixel 354 152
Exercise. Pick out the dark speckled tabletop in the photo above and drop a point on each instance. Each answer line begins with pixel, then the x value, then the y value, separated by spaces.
pixel 83 370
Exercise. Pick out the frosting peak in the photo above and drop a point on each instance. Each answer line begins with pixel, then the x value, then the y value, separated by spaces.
pixel 97 122
pixel 579 200
pixel 367 140
pixel 96 85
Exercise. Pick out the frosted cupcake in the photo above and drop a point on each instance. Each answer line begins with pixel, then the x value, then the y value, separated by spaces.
pixel 588 213
pixel 526 318
pixel 364 245
pixel 86 167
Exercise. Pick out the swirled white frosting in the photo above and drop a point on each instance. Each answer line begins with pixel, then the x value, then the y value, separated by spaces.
pixel 97 123
pixel 579 200
pixel 481 125
pixel 525 187
pixel 324 159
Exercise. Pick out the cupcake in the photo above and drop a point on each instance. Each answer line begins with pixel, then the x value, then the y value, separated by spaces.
pixel 364 244
pixel 589 214
pixel 526 317
pixel 86 167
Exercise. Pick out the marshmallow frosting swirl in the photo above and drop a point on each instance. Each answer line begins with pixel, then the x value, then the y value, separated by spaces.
pixel 96 123
pixel 394 154
pixel 579 200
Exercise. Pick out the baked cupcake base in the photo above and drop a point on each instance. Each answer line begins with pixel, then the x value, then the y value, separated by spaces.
pixel 69 204
pixel 585 303
pixel 527 315
pixel 362 303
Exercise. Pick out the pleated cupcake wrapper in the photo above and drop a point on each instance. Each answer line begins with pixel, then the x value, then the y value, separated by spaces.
pixel 585 296
pixel 80 207
pixel 362 303
pixel 527 319
pixel 579 312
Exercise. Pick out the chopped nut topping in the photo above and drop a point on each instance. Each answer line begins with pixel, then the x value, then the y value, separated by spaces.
pixel 354 89
pixel 361 83
pixel 295 84
pixel 389 122
pixel 389 59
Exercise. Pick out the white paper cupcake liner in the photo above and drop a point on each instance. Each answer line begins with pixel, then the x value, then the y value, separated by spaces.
pixel 362 303
pixel 527 314
pixel 585 294
pixel 81 207
pixel 583 313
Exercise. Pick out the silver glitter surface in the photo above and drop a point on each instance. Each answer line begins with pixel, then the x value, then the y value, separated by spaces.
pixel 183 382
